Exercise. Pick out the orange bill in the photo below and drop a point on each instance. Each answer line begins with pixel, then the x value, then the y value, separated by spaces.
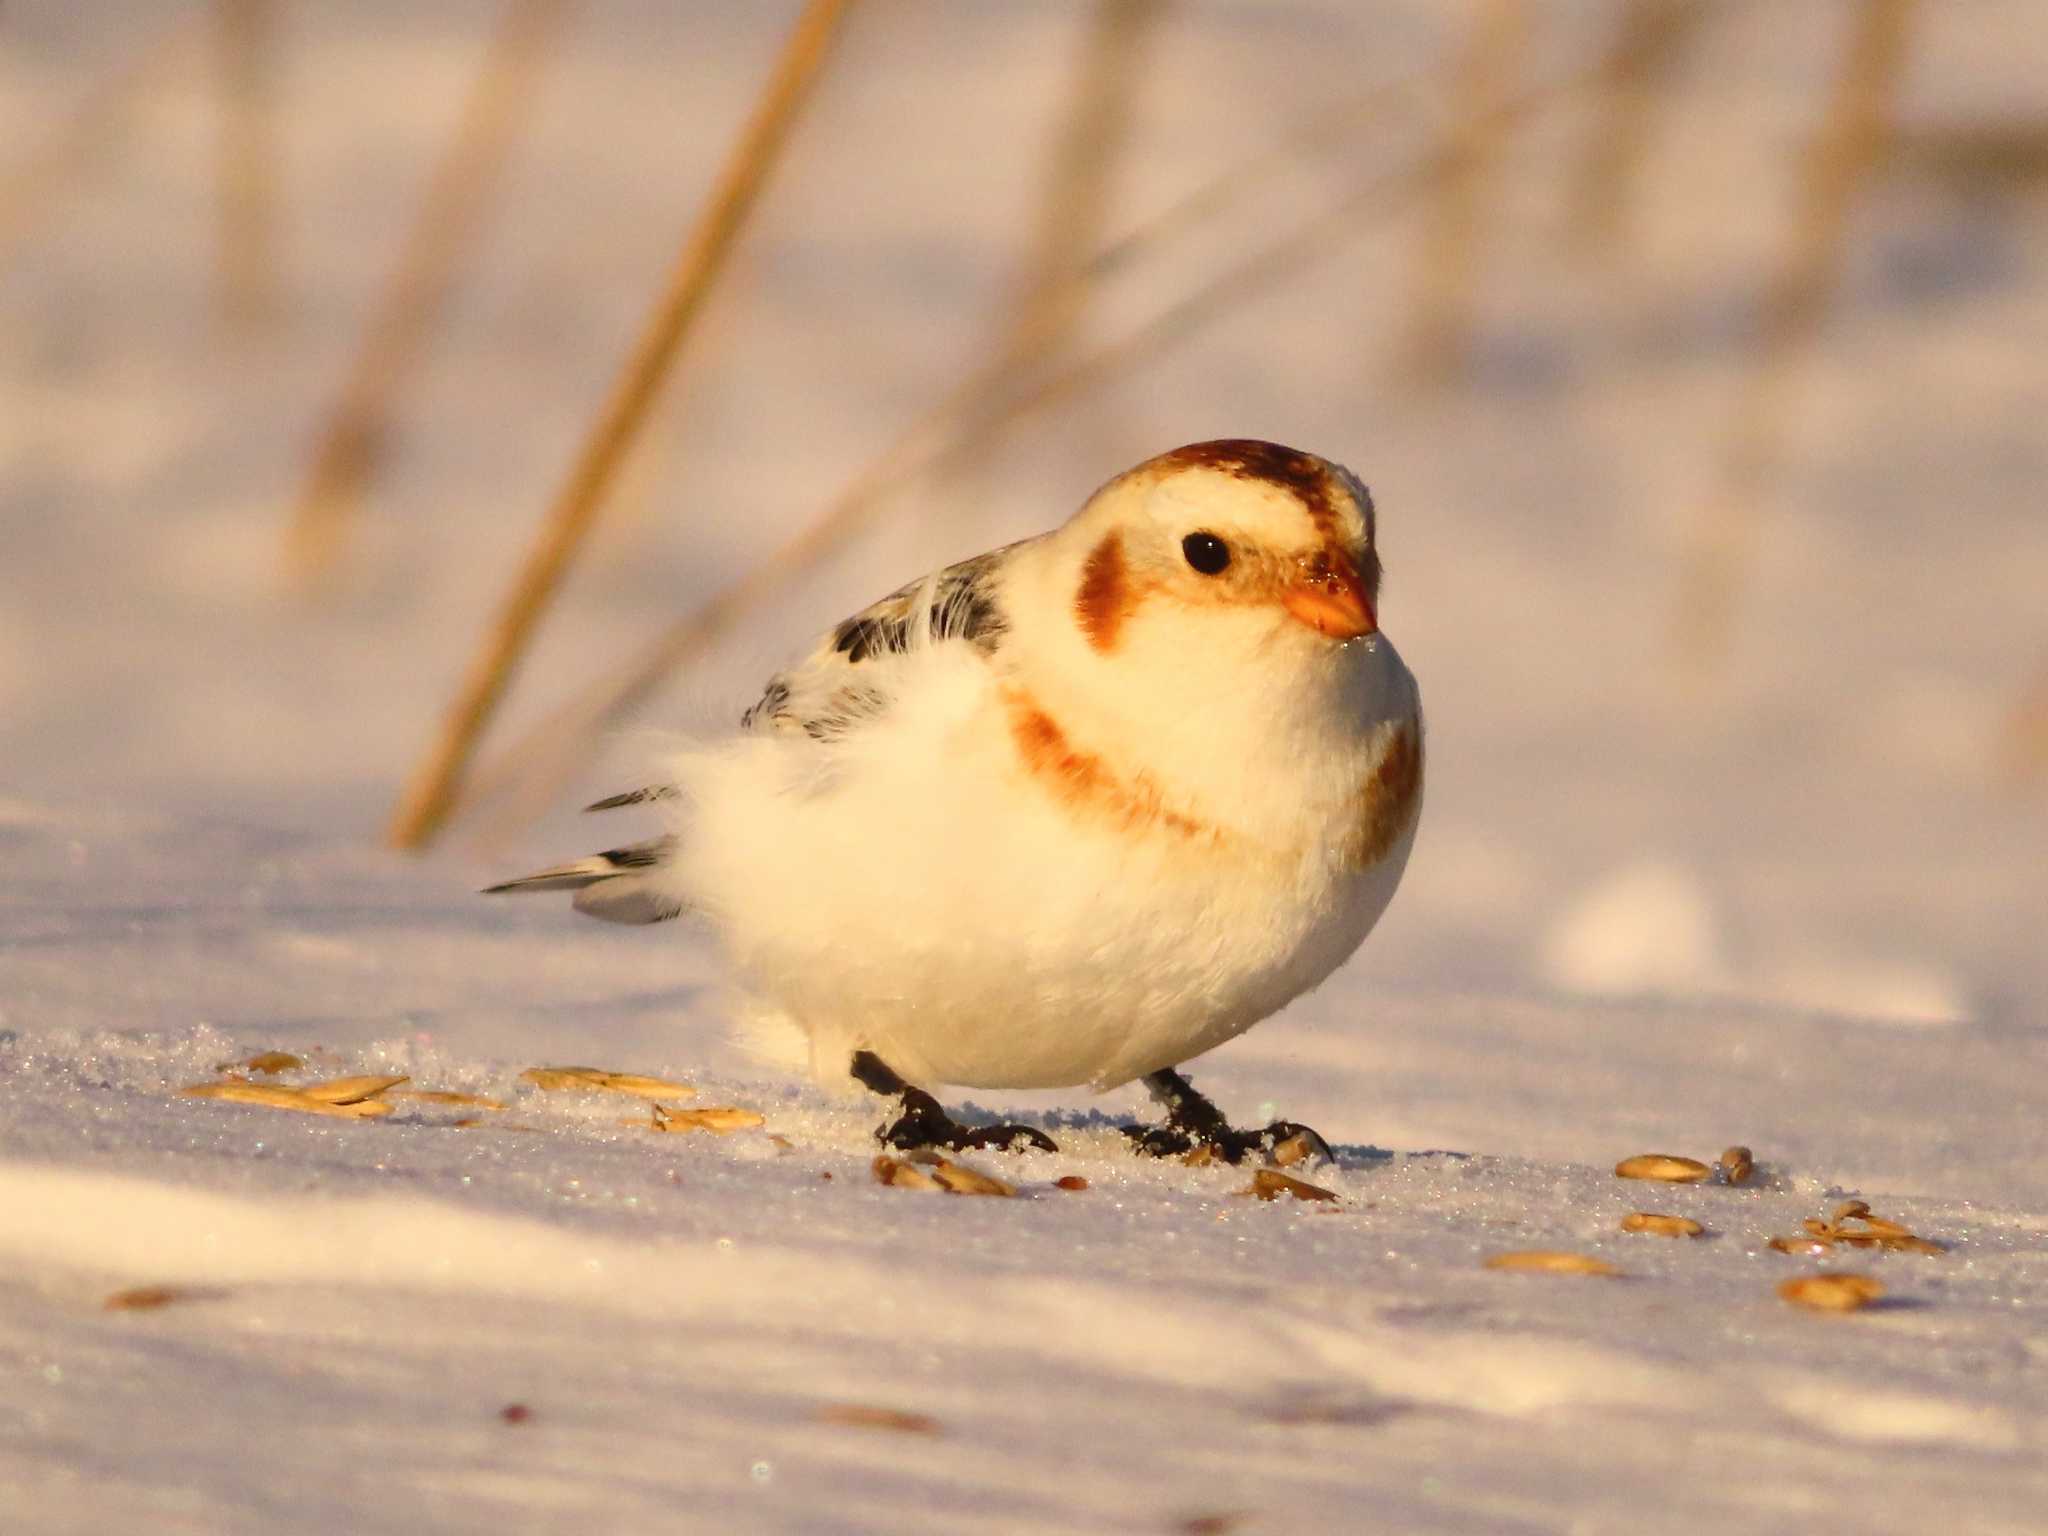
pixel 1330 598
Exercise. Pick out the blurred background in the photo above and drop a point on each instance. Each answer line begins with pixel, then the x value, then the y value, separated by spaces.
pixel 1694 353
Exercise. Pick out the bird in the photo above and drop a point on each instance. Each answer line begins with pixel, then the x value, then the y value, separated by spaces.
pixel 1067 814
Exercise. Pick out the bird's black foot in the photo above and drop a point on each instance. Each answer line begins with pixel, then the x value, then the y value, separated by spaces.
pixel 923 1123
pixel 1193 1123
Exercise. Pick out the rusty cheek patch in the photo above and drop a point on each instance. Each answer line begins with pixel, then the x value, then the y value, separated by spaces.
pixel 1387 801
pixel 1105 598
pixel 1083 782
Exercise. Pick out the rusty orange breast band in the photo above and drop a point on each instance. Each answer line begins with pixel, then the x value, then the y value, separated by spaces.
pixel 1084 783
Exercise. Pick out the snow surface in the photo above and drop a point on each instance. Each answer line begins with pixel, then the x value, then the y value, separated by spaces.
pixel 1797 904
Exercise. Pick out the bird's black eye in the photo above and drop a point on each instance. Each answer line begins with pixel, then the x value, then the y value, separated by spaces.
pixel 1206 553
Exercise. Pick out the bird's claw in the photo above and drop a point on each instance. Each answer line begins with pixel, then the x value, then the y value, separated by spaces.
pixel 1005 1138
pixel 1228 1143
pixel 924 1123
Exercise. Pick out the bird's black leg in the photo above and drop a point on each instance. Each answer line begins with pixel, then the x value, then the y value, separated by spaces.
pixel 924 1124
pixel 1192 1121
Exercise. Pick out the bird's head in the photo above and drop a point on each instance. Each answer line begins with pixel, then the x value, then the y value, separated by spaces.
pixel 1239 527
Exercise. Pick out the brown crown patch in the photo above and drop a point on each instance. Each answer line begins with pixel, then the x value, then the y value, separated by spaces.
pixel 1302 475
pixel 1388 799
pixel 1105 598
pixel 1083 782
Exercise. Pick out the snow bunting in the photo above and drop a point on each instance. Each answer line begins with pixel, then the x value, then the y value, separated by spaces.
pixel 1070 812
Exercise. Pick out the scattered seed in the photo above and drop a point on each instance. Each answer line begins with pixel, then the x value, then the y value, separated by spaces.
pixel 591 1079
pixel 1220 1524
pixel 1551 1262
pixel 515 1413
pixel 1269 1184
pixel 722 1119
pixel 953 1178
pixel 1072 1181
pixel 1870 1232
pixel 1737 1164
pixel 1295 1149
pixel 781 1144
pixel 869 1416
pixel 1661 1226
pixel 274 1096
pixel 267 1063
pixel 1663 1166
pixel 1199 1156
pixel 1841 1292
pixel 958 1179
pixel 350 1090
pixel 448 1096
pixel 901 1175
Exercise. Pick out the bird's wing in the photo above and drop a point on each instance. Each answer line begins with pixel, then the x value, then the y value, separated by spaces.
pixel 620 885
pixel 852 674
pixel 850 678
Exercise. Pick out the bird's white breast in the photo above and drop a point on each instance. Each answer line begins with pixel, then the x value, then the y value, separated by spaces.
pixel 998 887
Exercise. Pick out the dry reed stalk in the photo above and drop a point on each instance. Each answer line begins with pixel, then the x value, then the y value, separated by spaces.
pixel 1438 333
pixel 531 772
pixel 430 794
pixel 1075 202
pixel 152 1298
pixel 2022 751
pixel 449 217
pixel 28 191
pixel 869 1416
pixel 1635 80
pixel 1996 158
pixel 952 419
pixel 1849 145
pixel 245 42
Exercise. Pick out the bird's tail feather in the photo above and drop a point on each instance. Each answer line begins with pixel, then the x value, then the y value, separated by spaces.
pixel 620 885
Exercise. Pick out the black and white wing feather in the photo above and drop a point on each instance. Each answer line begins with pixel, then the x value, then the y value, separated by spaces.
pixel 848 679
pixel 620 885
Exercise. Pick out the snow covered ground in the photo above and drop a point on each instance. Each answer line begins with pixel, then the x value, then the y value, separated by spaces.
pixel 1796 904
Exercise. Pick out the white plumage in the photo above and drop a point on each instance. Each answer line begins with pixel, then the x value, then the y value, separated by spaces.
pixel 1071 812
